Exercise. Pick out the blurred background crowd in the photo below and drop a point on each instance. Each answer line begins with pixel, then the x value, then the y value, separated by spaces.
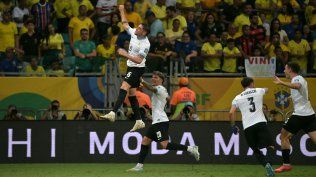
pixel 64 37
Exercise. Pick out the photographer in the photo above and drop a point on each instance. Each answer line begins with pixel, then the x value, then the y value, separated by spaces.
pixel 53 112
pixel 86 114
pixel 13 114
pixel 187 113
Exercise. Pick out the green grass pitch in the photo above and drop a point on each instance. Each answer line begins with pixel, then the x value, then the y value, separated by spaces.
pixel 150 170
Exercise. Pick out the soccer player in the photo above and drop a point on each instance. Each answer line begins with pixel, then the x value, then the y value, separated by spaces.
pixel 136 55
pixel 258 136
pixel 158 131
pixel 303 116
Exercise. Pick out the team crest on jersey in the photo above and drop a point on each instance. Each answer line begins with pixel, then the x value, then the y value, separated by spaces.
pixel 281 99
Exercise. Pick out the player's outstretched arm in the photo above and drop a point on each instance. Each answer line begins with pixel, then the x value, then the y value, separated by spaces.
pixel 278 81
pixel 148 86
pixel 136 59
pixel 123 17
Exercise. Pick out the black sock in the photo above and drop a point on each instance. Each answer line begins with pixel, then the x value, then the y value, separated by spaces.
pixel 174 146
pixel 286 156
pixel 135 106
pixel 120 99
pixel 270 154
pixel 260 157
pixel 143 153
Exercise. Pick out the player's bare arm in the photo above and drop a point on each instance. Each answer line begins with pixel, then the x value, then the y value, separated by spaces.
pixel 232 115
pixel 124 20
pixel 278 81
pixel 136 59
pixel 148 86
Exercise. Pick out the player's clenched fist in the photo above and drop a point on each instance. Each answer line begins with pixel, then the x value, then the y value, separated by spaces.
pixel 121 7
pixel 121 52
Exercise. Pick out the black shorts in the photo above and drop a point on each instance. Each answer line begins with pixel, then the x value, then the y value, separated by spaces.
pixel 258 136
pixel 295 123
pixel 133 75
pixel 158 132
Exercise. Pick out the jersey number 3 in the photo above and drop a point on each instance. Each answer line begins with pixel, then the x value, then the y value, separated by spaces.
pixel 252 104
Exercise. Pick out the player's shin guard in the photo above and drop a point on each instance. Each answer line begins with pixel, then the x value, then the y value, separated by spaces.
pixel 286 156
pixel 120 100
pixel 135 106
pixel 174 146
pixel 143 153
pixel 260 157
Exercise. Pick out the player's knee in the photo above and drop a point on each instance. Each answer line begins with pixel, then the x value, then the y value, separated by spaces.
pixel 163 145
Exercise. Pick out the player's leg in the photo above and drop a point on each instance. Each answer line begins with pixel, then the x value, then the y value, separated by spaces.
pixel 310 128
pixel 142 155
pixel 193 150
pixel 286 149
pixel 139 124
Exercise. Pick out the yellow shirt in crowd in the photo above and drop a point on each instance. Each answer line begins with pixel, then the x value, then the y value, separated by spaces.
pixel 211 64
pixel 76 24
pixel 7 35
pixel 285 19
pixel 75 6
pixel 104 52
pixel 30 3
pixel 160 12
pixel 39 71
pixel 134 17
pixel 55 42
pixel 241 20
pixel 186 3
pixel 5 7
pixel 210 3
pixel 230 64
pixel 272 47
pixel 60 6
pixel 183 22
pixel 172 36
pixel 310 16
pixel 142 7
pixel 299 49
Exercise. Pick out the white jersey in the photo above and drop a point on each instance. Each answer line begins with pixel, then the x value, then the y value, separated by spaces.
pixel 250 103
pixel 302 105
pixel 159 101
pixel 137 46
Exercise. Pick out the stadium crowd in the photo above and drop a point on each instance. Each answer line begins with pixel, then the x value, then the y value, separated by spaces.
pixel 58 37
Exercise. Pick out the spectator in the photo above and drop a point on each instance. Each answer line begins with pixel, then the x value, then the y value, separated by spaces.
pixel 53 47
pixel 43 14
pixel 311 15
pixel 293 26
pixel 209 26
pixel 175 33
pixel 75 10
pixel 275 42
pixel 209 4
pixel 246 44
pixel 171 15
pixel 56 70
pixel 26 19
pixel 115 21
pixel 8 33
pixel 76 24
pixel 53 112
pixel 156 25
pixel 130 15
pixel 231 54
pixel 266 26
pixel 141 7
pixel 232 10
pixel 186 6
pixel 10 62
pixel 115 31
pixel 299 50
pixel 182 97
pixel 232 32
pixel 192 24
pixel 34 70
pixel 87 113
pixel 187 51
pixel 106 50
pixel 13 114
pixel 123 36
pixel 187 113
pixel 285 14
pixel 159 10
pixel 212 52
pixel 144 105
pixel 281 61
pixel 257 32
pixel 104 11
pixel 159 54
pixel 29 43
pixel 85 51
pixel 19 12
pixel 121 60
pixel 243 18
pixel 223 39
pixel 63 14
pixel 307 35
pixel 276 28
pixel 5 5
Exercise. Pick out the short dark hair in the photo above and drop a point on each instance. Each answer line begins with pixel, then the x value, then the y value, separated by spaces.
pixel 230 40
pixel 160 75
pixel 294 67
pixel 55 101
pixel 246 81
pixel 84 29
